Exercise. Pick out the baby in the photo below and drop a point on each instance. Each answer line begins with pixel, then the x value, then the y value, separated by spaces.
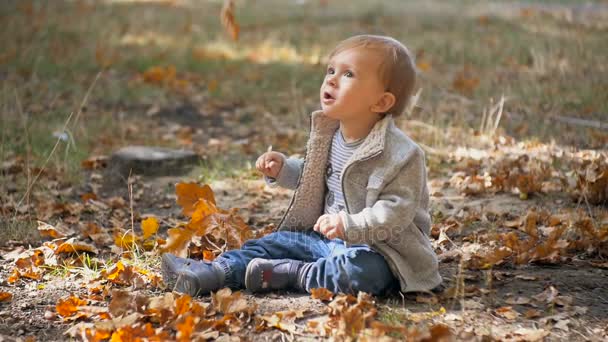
pixel 358 219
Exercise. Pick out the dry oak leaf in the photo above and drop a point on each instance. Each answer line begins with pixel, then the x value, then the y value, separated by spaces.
pixel 72 246
pixel 282 320
pixel 189 194
pixel 54 232
pixel 159 74
pixel 69 306
pixel 5 297
pixel 321 294
pixel 507 312
pixel 227 302
pixel 139 332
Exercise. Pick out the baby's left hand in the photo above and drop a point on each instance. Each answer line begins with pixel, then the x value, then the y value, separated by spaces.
pixel 331 226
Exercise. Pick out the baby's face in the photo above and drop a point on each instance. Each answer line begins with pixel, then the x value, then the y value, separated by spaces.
pixel 352 84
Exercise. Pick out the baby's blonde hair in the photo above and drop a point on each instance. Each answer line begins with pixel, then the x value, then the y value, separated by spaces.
pixel 397 69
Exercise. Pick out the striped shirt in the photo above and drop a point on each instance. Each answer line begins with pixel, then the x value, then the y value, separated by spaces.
pixel 339 154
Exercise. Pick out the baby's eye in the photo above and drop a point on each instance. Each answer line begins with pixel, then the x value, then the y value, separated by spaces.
pixel 349 74
pixel 330 71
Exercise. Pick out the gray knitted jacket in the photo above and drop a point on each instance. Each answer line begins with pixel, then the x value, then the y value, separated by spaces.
pixel 385 192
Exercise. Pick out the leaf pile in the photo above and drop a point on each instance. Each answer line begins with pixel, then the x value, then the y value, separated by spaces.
pixel 210 231
pixel 131 316
pixel 537 237
pixel 529 168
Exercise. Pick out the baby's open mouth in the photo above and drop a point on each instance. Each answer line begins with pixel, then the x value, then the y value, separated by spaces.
pixel 327 96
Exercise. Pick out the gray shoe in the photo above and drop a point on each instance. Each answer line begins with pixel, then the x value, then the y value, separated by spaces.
pixel 264 275
pixel 193 277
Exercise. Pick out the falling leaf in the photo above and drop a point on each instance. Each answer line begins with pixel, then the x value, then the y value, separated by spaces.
pixel 149 226
pixel 228 20
pixel 322 294
pixel 5 296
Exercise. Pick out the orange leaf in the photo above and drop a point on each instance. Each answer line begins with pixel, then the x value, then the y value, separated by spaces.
pixel 228 21
pixel 149 226
pixel 88 196
pixel 159 75
pixel 322 294
pixel 71 246
pixel 189 194
pixel 68 307
pixel 14 276
pixel 178 241
pixel 208 255
pixel 182 304
pixel 227 302
pixel 5 297
pixel 53 232
pixel 185 328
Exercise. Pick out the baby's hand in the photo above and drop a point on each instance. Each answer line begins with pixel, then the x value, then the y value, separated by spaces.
pixel 331 226
pixel 270 163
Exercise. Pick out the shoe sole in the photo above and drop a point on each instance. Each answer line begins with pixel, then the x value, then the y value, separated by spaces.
pixel 183 281
pixel 253 278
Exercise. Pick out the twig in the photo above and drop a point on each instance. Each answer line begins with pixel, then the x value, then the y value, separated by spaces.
pixel 580 122
pixel 65 125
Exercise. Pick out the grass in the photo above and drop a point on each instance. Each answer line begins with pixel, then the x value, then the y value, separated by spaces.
pixel 53 51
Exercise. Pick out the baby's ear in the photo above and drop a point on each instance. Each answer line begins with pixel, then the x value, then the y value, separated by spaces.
pixel 384 103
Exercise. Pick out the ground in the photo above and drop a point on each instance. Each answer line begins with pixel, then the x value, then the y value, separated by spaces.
pixel 518 183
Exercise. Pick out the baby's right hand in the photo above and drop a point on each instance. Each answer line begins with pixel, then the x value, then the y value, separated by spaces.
pixel 270 163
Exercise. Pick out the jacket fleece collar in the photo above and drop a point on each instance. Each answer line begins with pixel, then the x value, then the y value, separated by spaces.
pixel 322 125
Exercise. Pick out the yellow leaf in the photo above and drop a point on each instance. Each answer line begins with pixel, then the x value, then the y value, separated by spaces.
pixel 149 226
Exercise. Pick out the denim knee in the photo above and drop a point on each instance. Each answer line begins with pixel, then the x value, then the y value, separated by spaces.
pixel 367 271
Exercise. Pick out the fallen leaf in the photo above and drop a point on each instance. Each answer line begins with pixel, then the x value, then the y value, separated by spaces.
pixel 72 246
pixel 53 232
pixel 507 312
pixel 5 297
pixel 322 294
pixel 530 334
pixel 69 306
pixel 227 302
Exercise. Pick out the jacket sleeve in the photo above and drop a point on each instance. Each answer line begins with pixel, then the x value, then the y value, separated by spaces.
pixel 395 208
pixel 289 175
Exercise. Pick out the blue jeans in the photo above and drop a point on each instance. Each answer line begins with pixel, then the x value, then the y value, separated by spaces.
pixel 336 267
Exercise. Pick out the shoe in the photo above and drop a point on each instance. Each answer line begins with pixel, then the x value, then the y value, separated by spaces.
pixel 265 275
pixel 193 277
